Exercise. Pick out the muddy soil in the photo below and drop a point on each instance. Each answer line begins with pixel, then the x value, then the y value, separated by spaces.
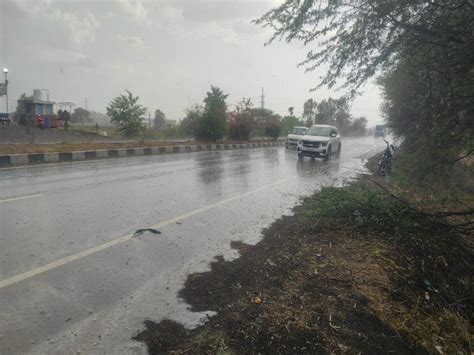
pixel 292 292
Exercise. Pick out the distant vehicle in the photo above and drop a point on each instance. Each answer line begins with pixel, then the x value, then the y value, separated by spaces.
pixel 295 135
pixel 321 141
pixel 379 131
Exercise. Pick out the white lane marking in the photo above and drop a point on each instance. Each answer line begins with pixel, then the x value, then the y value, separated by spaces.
pixel 20 198
pixel 68 259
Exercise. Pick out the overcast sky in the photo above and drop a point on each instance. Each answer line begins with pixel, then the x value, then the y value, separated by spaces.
pixel 166 52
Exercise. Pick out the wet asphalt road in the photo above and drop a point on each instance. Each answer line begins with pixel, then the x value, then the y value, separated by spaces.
pixel 73 276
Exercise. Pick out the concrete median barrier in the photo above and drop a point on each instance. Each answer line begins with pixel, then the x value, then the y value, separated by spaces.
pixel 12 160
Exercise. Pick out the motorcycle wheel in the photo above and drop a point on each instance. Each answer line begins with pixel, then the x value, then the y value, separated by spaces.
pixel 383 168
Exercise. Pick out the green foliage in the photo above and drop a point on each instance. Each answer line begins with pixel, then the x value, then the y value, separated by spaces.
pixel 432 107
pixel 425 50
pixel 212 124
pixel 310 108
pixel 241 121
pixel 267 122
pixel 333 112
pixel 173 132
pixel 290 122
pixel 80 115
pixel 160 120
pixel 361 209
pixel 356 38
pixel 188 124
pixel 125 112
pixel 273 127
pixel 371 208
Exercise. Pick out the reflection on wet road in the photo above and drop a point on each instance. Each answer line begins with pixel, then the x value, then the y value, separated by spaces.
pixel 74 275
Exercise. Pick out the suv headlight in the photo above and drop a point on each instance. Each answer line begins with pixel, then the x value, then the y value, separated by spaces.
pixel 324 144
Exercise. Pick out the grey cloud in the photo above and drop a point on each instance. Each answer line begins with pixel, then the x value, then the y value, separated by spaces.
pixel 205 11
pixel 167 52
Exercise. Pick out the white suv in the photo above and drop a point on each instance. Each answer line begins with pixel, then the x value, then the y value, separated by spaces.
pixel 321 141
pixel 296 134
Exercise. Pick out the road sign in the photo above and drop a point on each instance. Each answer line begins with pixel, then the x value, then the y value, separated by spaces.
pixel 3 89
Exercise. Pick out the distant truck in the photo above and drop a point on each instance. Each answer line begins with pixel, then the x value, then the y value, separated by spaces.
pixel 379 131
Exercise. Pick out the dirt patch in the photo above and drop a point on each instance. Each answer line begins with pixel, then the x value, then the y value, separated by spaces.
pixel 293 292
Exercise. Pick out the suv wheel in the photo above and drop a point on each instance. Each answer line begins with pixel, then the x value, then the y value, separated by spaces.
pixel 300 154
pixel 328 155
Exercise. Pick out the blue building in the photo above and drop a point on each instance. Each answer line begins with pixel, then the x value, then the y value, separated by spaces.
pixel 30 108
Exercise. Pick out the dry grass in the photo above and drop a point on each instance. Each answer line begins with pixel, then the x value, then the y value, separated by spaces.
pixel 442 330
pixel 369 267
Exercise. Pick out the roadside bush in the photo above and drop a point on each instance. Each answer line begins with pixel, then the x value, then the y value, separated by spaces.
pixel 241 122
pixel 355 207
pixel 370 208
pixel 189 123
pixel 289 122
pixel 272 127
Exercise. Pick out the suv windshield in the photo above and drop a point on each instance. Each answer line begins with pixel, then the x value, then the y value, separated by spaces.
pixel 319 131
pixel 299 130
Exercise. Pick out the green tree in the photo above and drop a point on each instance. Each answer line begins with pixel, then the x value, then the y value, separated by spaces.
pixel 334 112
pixel 267 122
pixel 80 115
pixel 422 44
pixel 309 112
pixel 241 121
pixel 160 120
pixel 359 37
pixel 212 124
pixel 125 112
pixel 188 123
pixel 290 122
pixel 291 110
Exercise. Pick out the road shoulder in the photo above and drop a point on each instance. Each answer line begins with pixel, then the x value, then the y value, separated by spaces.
pixel 305 289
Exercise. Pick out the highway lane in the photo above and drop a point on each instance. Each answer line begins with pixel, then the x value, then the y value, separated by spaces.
pixel 74 278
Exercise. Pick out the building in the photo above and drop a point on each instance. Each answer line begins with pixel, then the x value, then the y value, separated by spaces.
pixel 33 110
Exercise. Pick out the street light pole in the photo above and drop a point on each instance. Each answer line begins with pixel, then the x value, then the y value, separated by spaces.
pixel 5 71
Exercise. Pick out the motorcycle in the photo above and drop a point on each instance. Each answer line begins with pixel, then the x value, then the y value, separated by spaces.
pixel 385 160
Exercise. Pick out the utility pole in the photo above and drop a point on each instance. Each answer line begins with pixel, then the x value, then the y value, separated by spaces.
pixel 85 103
pixel 262 100
pixel 5 71
pixel 149 119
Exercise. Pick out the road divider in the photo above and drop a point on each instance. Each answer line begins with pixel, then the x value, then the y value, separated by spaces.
pixel 11 160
